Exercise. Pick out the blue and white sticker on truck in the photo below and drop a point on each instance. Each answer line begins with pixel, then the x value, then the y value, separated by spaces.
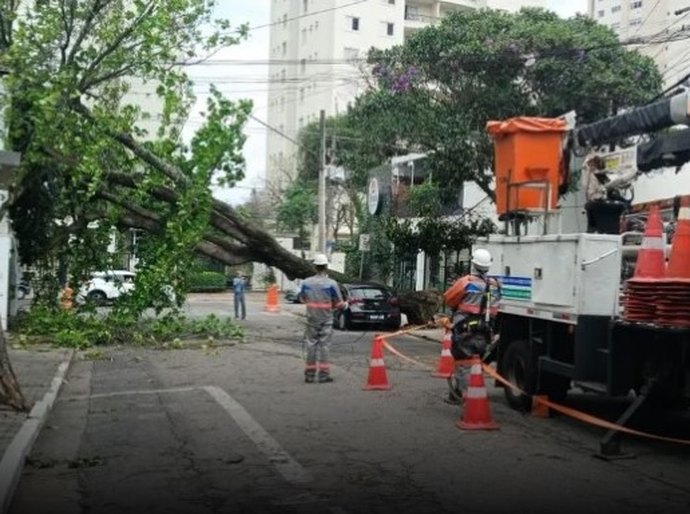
pixel 515 288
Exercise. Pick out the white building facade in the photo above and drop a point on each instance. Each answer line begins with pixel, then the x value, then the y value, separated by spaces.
pixel 316 52
pixel 658 20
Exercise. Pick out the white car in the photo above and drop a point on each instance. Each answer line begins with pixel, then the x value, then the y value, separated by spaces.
pixel 106 286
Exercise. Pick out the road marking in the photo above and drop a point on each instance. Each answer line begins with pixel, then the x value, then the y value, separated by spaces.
pixel 291 470
pixel 288 467
pixel 129 393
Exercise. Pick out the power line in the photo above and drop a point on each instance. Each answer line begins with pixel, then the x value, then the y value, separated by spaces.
pixel 306 15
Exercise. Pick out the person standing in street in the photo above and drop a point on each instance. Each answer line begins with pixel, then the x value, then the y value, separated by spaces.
pixel 239 286
pixel 474 299
pixel 321 296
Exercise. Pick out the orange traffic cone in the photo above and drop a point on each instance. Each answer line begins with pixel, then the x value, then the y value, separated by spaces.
pixel 272 299
pixel 446 363
pixel 477 412
pixel 679 262
pixel 651 262
pixel 377 380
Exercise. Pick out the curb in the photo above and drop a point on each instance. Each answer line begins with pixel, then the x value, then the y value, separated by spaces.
pixel 12 462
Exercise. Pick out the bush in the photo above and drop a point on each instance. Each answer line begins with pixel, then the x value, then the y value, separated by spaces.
pixel 207 282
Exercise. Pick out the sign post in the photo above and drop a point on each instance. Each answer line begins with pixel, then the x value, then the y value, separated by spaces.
pixel 364 247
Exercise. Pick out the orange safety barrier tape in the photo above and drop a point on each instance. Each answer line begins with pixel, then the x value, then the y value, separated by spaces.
pixel 581 416
pixel 391 349
pixel 403 332
pixel 568 411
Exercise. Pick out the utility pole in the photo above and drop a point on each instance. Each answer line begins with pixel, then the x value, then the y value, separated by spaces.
pixel 322 184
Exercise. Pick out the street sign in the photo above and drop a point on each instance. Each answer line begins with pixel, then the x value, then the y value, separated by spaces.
pixel 364 242
pixel 373 196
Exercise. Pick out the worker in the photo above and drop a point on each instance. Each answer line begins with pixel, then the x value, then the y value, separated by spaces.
pixel 474 299
pixel 321 295
pixel 239 286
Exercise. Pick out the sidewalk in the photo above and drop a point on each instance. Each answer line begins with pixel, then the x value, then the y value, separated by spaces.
pixel 40 373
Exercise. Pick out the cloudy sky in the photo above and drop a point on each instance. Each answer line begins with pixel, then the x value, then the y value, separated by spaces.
pixel 250 81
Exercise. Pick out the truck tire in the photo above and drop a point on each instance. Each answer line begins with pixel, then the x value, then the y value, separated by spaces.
pixel 555 386
pixel 519 369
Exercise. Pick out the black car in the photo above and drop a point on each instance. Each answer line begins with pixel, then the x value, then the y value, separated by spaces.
pixel 368 305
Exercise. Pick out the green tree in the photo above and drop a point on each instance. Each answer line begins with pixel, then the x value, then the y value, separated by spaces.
pixel 436 92
pixel 297 211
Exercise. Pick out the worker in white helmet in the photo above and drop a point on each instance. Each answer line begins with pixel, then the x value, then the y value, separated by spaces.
pixel 321 294
pixel 474 300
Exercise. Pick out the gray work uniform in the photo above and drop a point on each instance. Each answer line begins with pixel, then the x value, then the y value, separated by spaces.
pixel 320 294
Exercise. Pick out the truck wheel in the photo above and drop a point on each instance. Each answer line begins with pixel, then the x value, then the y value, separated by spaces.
pixel 555 386
pixel 518 368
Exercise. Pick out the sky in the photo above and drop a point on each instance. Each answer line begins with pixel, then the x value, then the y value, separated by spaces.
pixel 239 81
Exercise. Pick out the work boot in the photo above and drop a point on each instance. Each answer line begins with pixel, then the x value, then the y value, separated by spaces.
pixel 309 379
pixel 324 379
pixel 452 400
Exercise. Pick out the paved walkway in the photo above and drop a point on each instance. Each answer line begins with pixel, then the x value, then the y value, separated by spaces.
pixel 35 370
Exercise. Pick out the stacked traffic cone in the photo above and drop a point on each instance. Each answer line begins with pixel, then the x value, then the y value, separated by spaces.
pixel 651 261
pixel 477 411
pixel 673 301
pixel 378 379
pixel 446 363
pixel 650 269
pixel 679 262
pixel 272 299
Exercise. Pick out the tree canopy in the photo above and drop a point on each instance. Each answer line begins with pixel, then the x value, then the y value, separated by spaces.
pixel 436 91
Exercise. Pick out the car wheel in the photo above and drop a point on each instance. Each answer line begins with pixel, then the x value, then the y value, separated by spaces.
pixel 97 297
pixel 518 368
pixel 341 321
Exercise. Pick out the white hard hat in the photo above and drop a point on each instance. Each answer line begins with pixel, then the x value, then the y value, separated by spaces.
pixel 482 258
pixel 320 260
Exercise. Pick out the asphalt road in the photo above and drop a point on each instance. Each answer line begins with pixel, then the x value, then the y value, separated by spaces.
pixel 235 429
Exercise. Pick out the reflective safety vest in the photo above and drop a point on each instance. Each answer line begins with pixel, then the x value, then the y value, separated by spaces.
pixel 467 293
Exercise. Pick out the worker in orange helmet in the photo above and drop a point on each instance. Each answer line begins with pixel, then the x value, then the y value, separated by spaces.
pixel 474 299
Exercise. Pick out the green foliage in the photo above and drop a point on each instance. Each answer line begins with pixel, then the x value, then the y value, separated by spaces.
pixel 433 235
pixel 207 281
pixel 71 329
pixel 437 91
pixel 297 211
pixel 63 56
pixel 269 278
pixel 425 199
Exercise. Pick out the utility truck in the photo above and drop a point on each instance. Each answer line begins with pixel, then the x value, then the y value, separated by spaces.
pixel 562 320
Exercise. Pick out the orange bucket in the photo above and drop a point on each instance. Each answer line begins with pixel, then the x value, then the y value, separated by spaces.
pixel 527 150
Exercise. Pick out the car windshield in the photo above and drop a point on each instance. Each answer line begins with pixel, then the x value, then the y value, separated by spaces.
pixel 368 293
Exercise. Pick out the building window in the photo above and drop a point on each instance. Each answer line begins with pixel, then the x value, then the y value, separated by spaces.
pixel 305 5
pixel 350 54
pixel 282 75
pixel 284 48
pixel 316 25
pixel 284 20
pixel 390 29
pixel 636 4
pixel 615 26
pixel 354 23
pixel 301 94
pixel 300 123
pixel 600 14
pixel 616 8
pixel 303 65
pixel 636 22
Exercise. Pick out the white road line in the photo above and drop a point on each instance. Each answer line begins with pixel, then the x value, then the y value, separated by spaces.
pixel 288 467
pixel 129 393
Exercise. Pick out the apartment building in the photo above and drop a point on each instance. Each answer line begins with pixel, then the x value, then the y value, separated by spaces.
pixel 316 52
pixel 656 19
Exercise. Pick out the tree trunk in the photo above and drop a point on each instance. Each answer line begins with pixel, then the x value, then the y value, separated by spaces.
pixel 10 392
pixel 420 306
